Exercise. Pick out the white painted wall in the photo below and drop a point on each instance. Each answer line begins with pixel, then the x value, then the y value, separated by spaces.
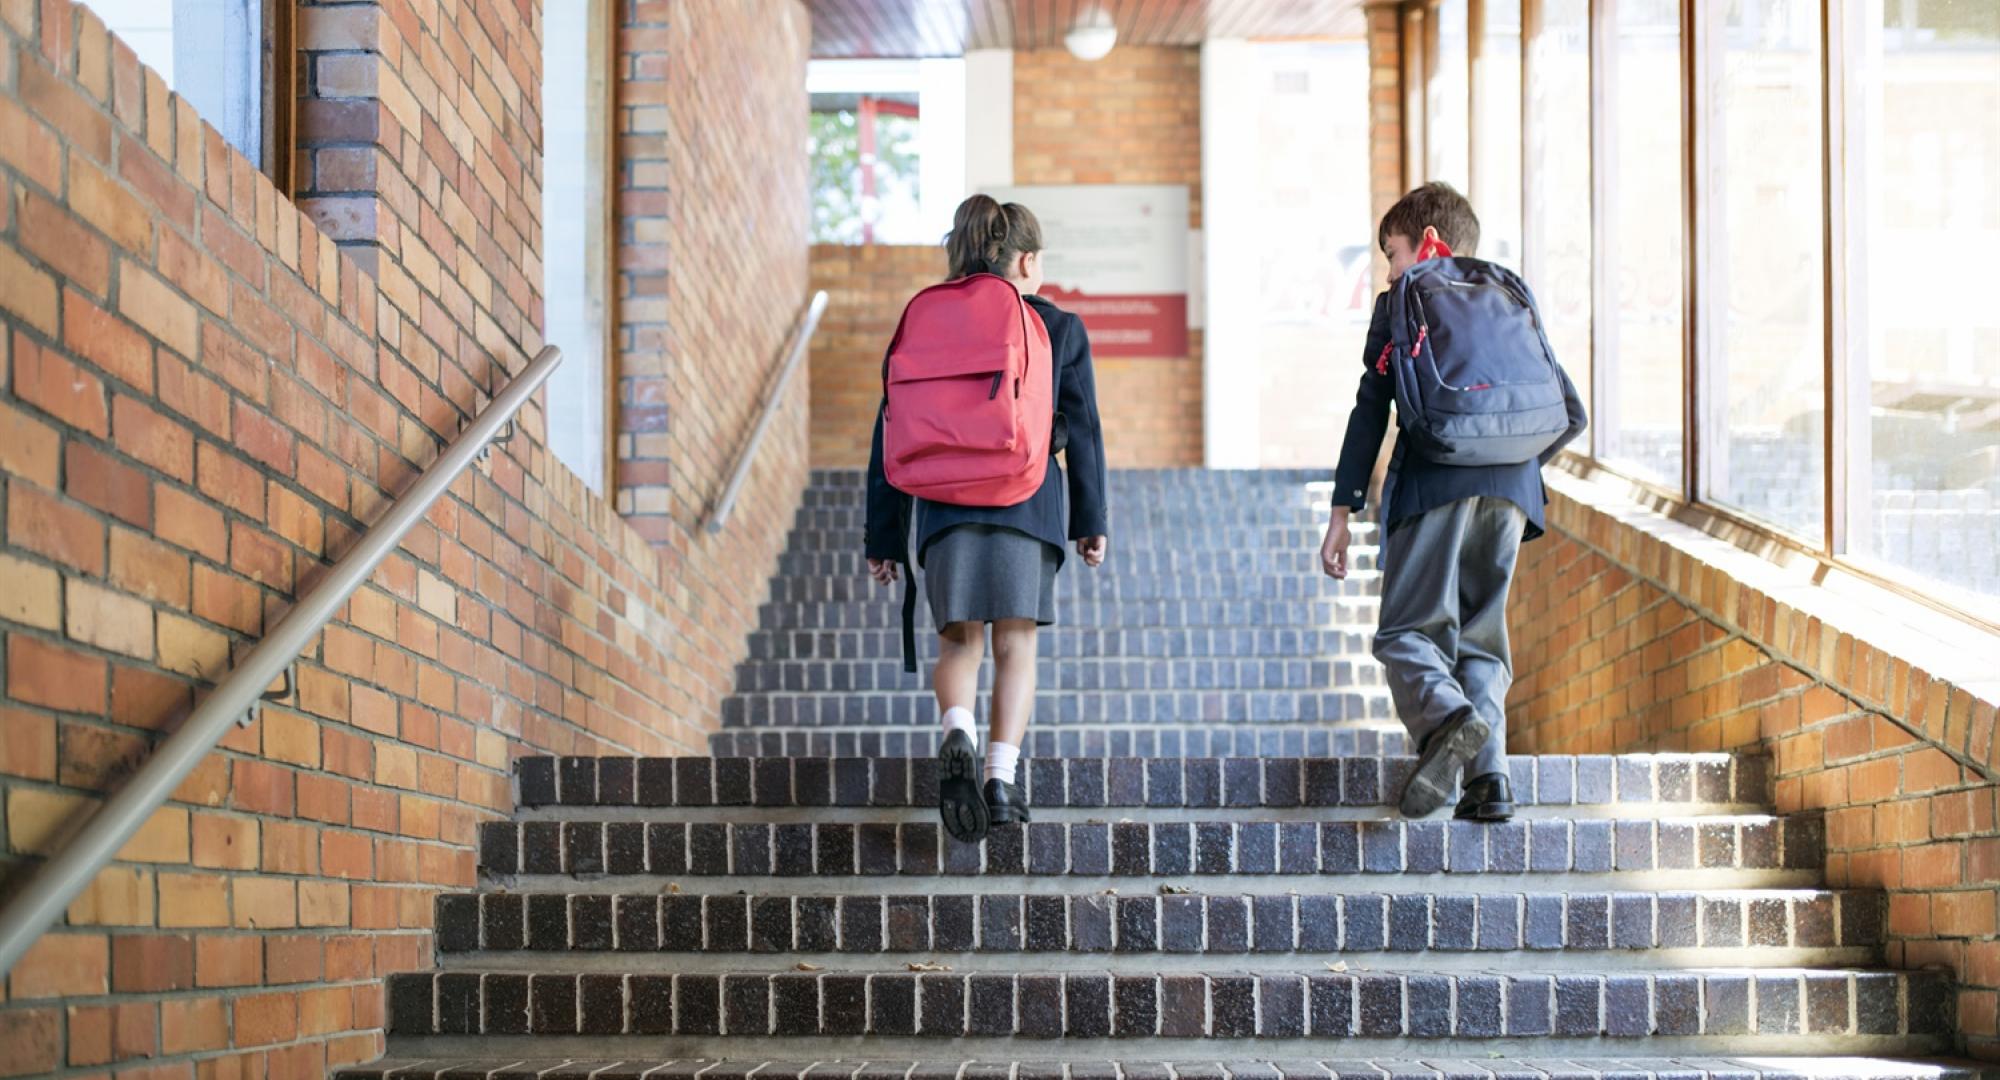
pixel 209 51
pixel 1229 191
pixel 941 143
pixel 989 119
pixel 570 242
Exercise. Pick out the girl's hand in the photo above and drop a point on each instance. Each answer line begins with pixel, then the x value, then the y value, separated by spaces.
pixel 1093 548
pixel 883 571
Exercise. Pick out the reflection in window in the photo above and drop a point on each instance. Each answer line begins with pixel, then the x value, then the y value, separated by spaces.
pixel 1642 347
pixel 1763 450
pixel 1496 134
pixel 1924 477
pixel 1558 256
pixel 1447 98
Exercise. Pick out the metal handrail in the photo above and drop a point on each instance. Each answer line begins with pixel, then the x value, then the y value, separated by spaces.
pixel 48 893
pixel 719 516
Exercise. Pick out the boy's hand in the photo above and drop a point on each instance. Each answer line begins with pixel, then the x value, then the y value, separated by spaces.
pixel 1333 550
pixel 1093 548
pixel 883 571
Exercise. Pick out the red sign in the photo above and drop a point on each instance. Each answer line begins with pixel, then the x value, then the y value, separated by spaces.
pixel 1128 326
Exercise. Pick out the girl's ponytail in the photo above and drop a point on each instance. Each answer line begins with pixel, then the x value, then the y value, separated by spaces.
pixel 987 236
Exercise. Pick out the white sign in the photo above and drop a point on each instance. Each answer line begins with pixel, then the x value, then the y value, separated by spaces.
pixel 1117 255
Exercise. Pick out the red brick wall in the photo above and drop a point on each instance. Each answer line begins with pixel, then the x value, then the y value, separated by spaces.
pixel 206 391
pixel 1133 117
pixel 712 122
pixel 1624 643
pixel 867 286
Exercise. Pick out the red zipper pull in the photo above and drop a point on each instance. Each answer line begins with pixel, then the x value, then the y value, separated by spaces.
pixel 1418 349
pixel 1382 361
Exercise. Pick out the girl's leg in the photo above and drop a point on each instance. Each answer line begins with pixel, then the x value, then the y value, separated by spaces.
pixel 956 681
pixel 1014 654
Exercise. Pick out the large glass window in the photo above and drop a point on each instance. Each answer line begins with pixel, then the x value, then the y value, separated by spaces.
pixel 1496 133
pixel 1924 470
pixel 1641 348
pixel 1763 447
pixel 1447 103
pixel 887 149
pixel 1557 256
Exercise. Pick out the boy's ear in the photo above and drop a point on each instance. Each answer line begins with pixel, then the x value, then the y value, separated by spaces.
pixel 1430 236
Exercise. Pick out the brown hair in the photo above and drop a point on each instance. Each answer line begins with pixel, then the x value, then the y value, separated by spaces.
pixel 986 236
pixel 1438 205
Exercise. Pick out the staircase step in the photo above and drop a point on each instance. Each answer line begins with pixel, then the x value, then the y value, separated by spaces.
pixel 1714 845
pixel 1476 924
pixel 1744 1003
pixel 1137 563
pixel 917 706
pixel 1197 782
pixel 1065 642
pixel 1099 587
pixel 1355 611
pixel 1304 533
pixel 1078 675
pixel 1151 741
pixel 1484 1067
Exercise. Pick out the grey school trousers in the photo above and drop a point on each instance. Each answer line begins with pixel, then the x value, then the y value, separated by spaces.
pixel 1442 638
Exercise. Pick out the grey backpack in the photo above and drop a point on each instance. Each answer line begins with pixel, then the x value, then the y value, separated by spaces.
pixel 1476 381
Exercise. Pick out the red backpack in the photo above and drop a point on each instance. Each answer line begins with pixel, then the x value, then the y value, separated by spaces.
pixel 970 386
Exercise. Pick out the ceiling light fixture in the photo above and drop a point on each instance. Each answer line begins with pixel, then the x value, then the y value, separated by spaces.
pixel 1093 35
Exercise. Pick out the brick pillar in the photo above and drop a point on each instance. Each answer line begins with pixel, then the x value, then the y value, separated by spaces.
pixel 1386 182
pixel 644 469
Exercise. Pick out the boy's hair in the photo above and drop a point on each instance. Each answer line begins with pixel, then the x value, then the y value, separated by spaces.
pixel 1438 205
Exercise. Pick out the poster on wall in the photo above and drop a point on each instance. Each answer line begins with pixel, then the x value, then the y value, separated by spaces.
pixel 1117 256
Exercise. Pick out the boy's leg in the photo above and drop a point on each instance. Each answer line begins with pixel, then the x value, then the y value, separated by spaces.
pixel 1417 641
pixel 1485 668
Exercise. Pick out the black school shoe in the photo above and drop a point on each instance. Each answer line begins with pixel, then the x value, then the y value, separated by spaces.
pixel 959 803
pixel 1443 757
pixel 1488 798
pixel 1005 802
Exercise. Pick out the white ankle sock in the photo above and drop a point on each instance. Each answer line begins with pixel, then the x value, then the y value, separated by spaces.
pixel 1001 759
pixel 959 718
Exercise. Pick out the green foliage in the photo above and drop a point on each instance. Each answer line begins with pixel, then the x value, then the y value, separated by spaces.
pixel 833 145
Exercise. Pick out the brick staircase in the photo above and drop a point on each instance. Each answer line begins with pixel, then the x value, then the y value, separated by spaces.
pixel 1214 885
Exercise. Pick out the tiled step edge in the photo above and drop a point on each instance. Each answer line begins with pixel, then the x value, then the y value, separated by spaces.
pixel 1151 923
pixel 1762 1068
pixel 1551 780
pixel 1770 1002
pixel 1138 848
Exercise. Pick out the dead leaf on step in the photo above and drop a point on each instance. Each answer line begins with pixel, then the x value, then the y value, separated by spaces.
pixel 1110 892
pixel 1174 890
pixel 1338 965
pixel 671 887
pixel 928 965
pixel 803 966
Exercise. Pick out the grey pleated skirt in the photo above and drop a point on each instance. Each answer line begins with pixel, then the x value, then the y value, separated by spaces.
pixel 985 573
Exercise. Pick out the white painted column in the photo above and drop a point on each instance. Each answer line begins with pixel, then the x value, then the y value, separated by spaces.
pixel 1232 347
pixel 989 119
pixel 941 136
